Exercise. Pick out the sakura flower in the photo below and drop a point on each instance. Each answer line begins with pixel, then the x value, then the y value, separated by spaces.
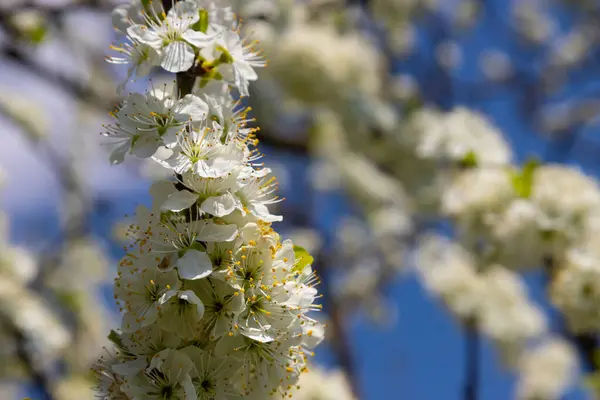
pixel 167 377
pixel 145 122
pixel 174 37
pixel 238 59
pixel 202 151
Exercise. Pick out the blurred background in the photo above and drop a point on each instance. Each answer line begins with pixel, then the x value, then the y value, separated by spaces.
pixel 370 111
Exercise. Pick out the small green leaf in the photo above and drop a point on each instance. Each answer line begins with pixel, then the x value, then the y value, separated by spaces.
pixel 38 34
pixel 70 299
pixel 469 160
pixel 202 24
pixel 522 181
pixel 115 338
pixel 303 258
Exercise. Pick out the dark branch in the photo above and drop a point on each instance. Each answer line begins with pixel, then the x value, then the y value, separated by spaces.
pixel 38 376
pixel 471 361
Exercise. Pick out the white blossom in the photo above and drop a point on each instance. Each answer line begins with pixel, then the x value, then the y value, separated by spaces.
pixel 173 37
pixel 575 290
pixel 547 370
pixel 146 122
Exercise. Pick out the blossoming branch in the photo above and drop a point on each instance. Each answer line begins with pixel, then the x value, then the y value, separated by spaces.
pixel 215 305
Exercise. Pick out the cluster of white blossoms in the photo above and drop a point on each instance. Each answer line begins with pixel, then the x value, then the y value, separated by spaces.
pixel 332 63
pixel 319 384
pixel 547 370
pixel 215 305
pixel 198 35
pixel 508 219
pixel 493 300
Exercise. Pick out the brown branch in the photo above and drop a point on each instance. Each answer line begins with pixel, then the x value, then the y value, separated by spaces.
pixel 39 377
pixel 471 383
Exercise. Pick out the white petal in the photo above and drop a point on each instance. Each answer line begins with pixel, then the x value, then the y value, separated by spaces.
pixel 142 34
pixel 208 231
pixel 257 334
pixel 219 206
pixel 185 9
pixel 130 367
pixel 118 154
pixel 220 164
pixel 188 388
pixel 179 201
pixel 167 296
pixel 194 265
pixel 178 56
pixel 145 146
pixel 246 71
pixel 222 326
pixel 313 335
pixel 194 106
pixel 191 298
pixel 261 211
pixel 227 345
pixel 198 39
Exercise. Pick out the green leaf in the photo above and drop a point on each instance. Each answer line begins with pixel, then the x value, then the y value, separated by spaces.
pixel 522 181
pixel 202 24
pixel 70 299
pixel 37 34
pixel 303 258
pixel 469 160
pixel 115 338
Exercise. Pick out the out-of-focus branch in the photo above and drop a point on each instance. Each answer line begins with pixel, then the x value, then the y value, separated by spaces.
pixel 38 376
pixel 77 224
pixel 471 362
pixel 78 90
pixel 337 324
pixel 13 52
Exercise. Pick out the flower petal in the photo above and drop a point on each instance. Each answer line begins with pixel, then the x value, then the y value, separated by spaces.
pixel 198 39
pixel 178 56
pixel 130 367
pixel 208 231
pixel 145 146
pixel 194 265
pixel 142 34
pixel 219 206
pixel 261 211
pixel 118 154
pixel 194 106
pixel 179 201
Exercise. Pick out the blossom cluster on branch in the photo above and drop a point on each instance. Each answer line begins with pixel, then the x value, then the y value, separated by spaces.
pixel 215 305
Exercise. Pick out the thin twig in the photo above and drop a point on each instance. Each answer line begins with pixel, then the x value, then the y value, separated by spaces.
pixel 471 361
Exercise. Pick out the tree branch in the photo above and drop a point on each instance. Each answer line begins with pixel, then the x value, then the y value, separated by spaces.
pixel 471 384
pixel 39 378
